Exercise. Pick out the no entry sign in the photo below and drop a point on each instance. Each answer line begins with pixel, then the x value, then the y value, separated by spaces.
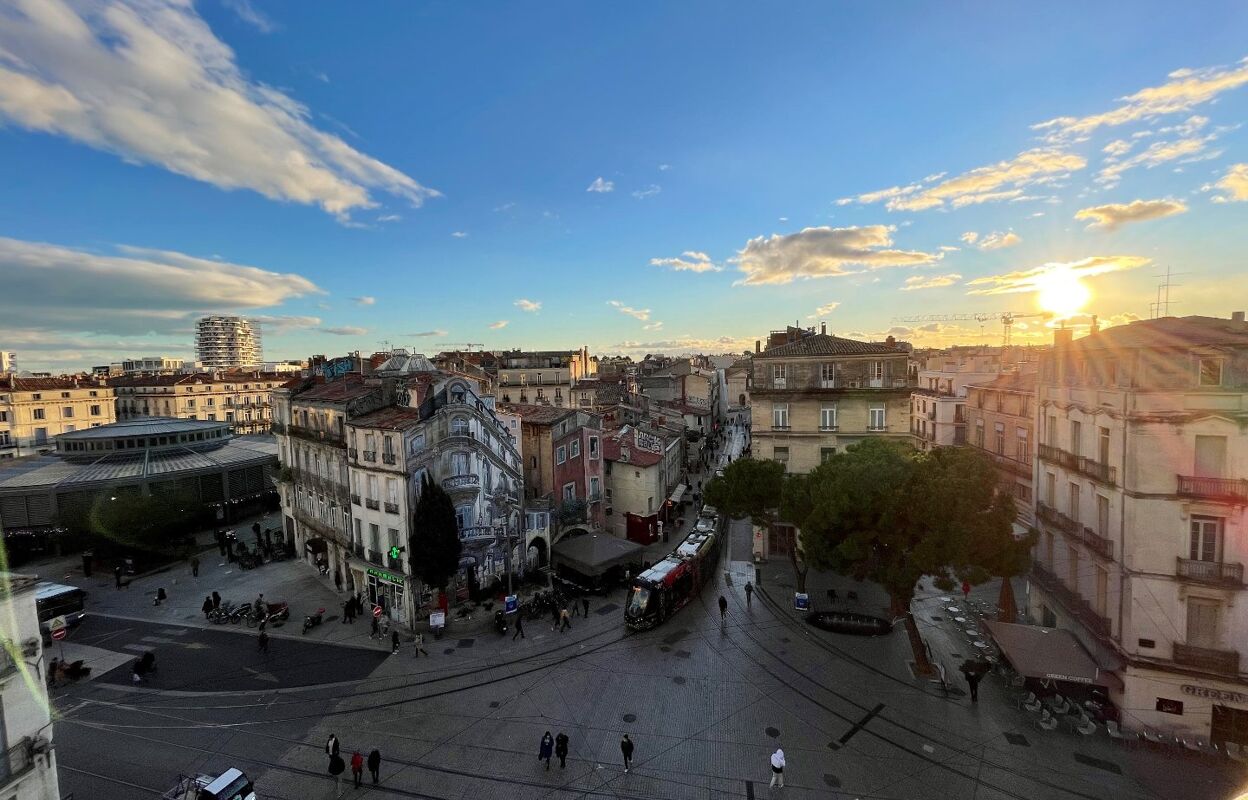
pixel 376 611
pixel 57 626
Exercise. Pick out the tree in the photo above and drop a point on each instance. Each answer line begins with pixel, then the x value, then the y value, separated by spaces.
pixel 760 490
pixel 879 512
pixel 434 547
pixel 571 512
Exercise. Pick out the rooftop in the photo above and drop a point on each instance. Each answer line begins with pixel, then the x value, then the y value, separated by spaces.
pixel 348 387
pixel 822 344
pixel 1012 382
pixel 13 383
pixel 1168 332
pixel 148 426
pixel 613 443
pixel 536 415
pixel 200 378
pixel 394 418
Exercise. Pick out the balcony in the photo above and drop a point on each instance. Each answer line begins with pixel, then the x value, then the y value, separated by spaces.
pixel 392 508
pixel 355 499
pixel 373 504
pixel 353 452
pixel 388 458
pixel 358 549
pixel 1214 572
pixel 1225 662
pixel 317 435
pixel 1097 543
pixel 1057 519
pixel 395 564
pixel 374 557
pixel 1020 468
pixel 370 455
pixel 1090 467
pixel 1226 490
pixel 931 415
pixel 1070 600
pixel 476 533
pixel 462 483
pixel 17 761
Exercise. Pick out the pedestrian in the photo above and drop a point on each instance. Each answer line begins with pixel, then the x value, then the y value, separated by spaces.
pixel 576 608
pixel 53 666
pixel 966 590
pixel 374 763
pixel 338 580
pixel 585 603
pixel 216 600
pixel 723 608
pixel 973 677
pixel 626 747
pixel 263 643
pixel 554 614
pixel 519 627
pixel 161 596
pixel 117 575
pixel 375 633
pixel 565 620
pixel 207 606
pixel 194 566
pixel 561 749
pixel 331 746
pixel 255 528
pixel 336 767
pixel 260 606
pixel 220 534
pixel 357 768
pixel 777 768
pixel 749 593
pixel 546 748
pixel 346 611
pixel 394 643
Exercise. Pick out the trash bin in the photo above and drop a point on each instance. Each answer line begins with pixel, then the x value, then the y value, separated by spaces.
pixel 87 557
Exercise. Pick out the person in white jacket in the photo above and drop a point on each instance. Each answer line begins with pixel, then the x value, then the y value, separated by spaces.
pixel 777 768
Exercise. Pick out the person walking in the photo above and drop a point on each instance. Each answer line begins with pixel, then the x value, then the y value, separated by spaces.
pixel 777 769
pixel 374 763
pixel 207 606
pixel 331 746
pixel 346 611
pixel 336 767
pixel 545 749
pixel 375 633
pixel 576 608
pixel 216 600
pixel 723 608
pixel 585 604
pixel 561 749
pixel 626 747
pixel 973 677
pixel 394 643
pixel 565 620
pixel 194 566
pixel 519 627
pixel 338 580
pixel 418 646
pixel 117 575
pixel 357 768
pixel 749 593
pixel 263 643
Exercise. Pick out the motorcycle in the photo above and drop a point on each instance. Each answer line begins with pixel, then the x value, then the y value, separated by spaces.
pixel 500 622
pixel 240 613
pixel 278 613
pixel 312 620
pixel 221 615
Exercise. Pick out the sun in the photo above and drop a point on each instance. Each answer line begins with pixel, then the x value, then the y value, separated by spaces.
pixel 1062 293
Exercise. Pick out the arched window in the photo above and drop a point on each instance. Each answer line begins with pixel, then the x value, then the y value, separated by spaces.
pixel 459 426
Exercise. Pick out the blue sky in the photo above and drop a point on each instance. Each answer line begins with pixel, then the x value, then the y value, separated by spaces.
pixel 756 165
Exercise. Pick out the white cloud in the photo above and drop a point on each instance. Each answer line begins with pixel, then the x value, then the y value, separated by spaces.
pixel 502 323
pixel 1117 148
pixel 784 219
pixel 653 326
pixel 999 241
pixel 1156 153
pixel 930 281
pixel 531 306
pixel 1034 279
pixel 282 324
pixel 685 345
pixel 649 191
pixel 252 16
pixel 427 334
pixel 970 237
pixel 1114 215
pixel 389 218
pixel 824 310
pixel 52 287
pixel 505 206
pixel 150 82
pixel 664 167
pixel 600 185
pixel 642 314
pixel 689 261
pixel 1186 89
pixel 459 234
pixel 345 330
pixel 823 252
pixel 1234 184
pixel 948 248
pixel 366 300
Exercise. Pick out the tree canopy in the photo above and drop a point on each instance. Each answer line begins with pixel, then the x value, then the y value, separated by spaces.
pixel 761 491
pixel 435 547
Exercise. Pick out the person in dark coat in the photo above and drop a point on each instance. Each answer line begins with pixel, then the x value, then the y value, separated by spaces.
pixel 375 633
pixel 263 643
pixel 546 748
pixel 561 749
pixel 585 605
pixel 519 627
pixel 331 745
pixel 374 763
pixel 394 642
pixel 216 600
pixel 117 575
pixel 207 607
pixel 194 566
pixel 626 747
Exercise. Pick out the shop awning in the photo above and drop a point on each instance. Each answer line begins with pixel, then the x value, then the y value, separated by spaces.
pixel 678 493
pixel 1048 654
pixel 316 545
pixel 595 553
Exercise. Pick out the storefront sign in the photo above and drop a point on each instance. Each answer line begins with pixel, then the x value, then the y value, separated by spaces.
pixel 388 577
pixel 1214 694
pixel 437 619
pixel 1170 706
pixel 1056 676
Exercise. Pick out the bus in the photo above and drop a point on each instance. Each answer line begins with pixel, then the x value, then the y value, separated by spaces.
pixel 57 600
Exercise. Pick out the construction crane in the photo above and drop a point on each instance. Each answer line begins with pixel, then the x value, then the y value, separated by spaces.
pixel 1007 319
pixel 466 345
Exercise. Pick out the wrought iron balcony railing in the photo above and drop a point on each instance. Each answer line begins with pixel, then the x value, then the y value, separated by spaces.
pixel 1217 572
pixel 1225 489
pixel 461 482
pixel 371 503
pixel 392 508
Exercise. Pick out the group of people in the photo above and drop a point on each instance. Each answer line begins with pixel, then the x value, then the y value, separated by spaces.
pixel 558 747
pixel 337 766
pixel 562 617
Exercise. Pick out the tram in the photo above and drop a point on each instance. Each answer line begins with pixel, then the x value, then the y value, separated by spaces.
pixel 667 586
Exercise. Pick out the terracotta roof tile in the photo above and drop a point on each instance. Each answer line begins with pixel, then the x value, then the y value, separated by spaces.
pixel 822 344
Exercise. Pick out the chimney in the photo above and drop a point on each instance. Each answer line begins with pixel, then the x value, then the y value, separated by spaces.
pixel 891 340
pixel 823 328
pixel 1063 336
pixel 1237 316
pixel 758 346
pixel 1096 325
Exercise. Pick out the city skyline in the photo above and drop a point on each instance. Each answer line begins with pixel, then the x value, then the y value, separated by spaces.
pixel 449 176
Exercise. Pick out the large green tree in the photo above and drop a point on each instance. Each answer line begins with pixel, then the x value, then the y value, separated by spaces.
pixel 883 513
pixel 760 490
pixel 435 547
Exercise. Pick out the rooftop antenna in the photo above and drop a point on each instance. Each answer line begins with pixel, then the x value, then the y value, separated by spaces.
pixel 1161 307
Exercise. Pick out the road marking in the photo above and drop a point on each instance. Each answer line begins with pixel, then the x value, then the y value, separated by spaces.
pixel 927 748
pixel 174 631
pixel 158 640
pixel 138 648
pixel 261 676
pixel 861 723
pixel 194 645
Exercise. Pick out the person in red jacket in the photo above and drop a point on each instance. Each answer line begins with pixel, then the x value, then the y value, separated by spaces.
pixel 357 767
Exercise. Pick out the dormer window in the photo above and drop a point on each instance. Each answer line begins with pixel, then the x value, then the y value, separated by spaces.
pixel 1210 372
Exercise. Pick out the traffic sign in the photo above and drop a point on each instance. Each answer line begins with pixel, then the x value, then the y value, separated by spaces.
pixel 377 611
pixel 512 602
pixel 58 628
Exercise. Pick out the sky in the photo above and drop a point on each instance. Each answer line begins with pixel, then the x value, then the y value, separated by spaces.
pixel 643 177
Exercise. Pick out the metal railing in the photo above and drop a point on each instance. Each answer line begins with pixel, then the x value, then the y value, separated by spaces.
pixel 1233 489
pixel 1097 543
pixel 392 508
pixel 371 503
pixel 374 556
pixel 461 482
pixel 1219 572
pixel 353 452
pixel 1058 520
pixel 1084 465
pixel 18 759
pixel 476 533
pixel 317 435
pixel 1074 604
pixel 370 455
pixel 355 498
pixel 1222 661
pixel 387 458
pixel 395 563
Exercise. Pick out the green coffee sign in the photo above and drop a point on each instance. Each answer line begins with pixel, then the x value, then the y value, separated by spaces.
pixel 389 577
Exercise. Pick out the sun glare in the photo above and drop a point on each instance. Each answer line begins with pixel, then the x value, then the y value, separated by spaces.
pixel 1062 293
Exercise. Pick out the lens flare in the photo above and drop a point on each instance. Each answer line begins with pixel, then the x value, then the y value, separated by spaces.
pixel 1062 293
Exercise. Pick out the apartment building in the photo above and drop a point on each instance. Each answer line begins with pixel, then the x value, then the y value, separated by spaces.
pixel 151 365
pixel 642 472
pixel 542 377
pixel 1140 498
pixel 937 403
pixel 8 362
pixel 34 411
pixel 563 457
pixel 737 385
pixel 445 430
pixel 817 394
pixel 242 399
pixel 224 342
pixel 1000 422
pixel 28 765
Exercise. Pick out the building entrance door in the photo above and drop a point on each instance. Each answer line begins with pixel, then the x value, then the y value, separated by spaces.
pixel 1229 725
pixel 386 590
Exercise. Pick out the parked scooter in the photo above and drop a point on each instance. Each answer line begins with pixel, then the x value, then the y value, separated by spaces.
pixel 240 613
pixel 312 620
pixel 222 614
pixel 500 622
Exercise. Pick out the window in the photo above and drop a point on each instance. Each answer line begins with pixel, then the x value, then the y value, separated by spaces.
pixel 1202 623
pixel 593 447
pixel 1022 447
pixel 827 376
pixel 779 375
pixel 1050 431
pixel 827 417
pixel 64 395
pixel 374 538
pixel 1076 435
pixel 1072 568
pixel 1102 515
pixel 781 454
pixel 595 488
pixel 38 413
pixel 1210 457
pixel 372 487
pixel 1050 489
pixel 95 411
pixel 4 416
pixel 877 370
pixel 998 444
pixel 1210 372
pixel 67 412
pixel 826 453
pixel 561 455
pixel 569 491
pixel 1206 538
pixel 36 396
pixel 576 448
pixel 979 433
pixel 392 491
pixel 1102 591
pixel 1073 511
pixel 780 417
pixel 876 420
pixel 359 535
pixel 1102 445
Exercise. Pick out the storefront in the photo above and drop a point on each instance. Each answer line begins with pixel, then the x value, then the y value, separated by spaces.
pixel 1186 704
pixel 388 590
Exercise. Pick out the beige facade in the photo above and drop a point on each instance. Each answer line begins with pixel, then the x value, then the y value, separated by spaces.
pixel 1141 489
pixel 34 411
pixel 242 399
pixel 737 384
pixel 813 397
pixel 999 422
pixel 543 377
pixel 30 772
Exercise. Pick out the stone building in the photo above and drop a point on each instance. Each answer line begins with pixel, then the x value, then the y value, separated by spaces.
pixel 28 766
pixel 239 398
pixel 563 458
pixel 34 411
pixel 1000 418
